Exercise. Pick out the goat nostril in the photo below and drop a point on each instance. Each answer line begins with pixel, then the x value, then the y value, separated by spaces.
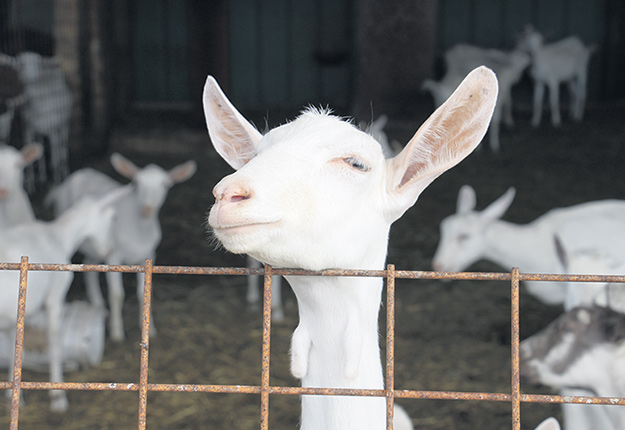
pixel 235 198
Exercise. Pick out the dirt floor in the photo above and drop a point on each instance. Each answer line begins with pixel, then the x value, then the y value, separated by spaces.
pixel 452 336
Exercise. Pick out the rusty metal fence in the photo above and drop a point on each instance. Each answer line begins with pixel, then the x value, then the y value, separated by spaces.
pixel 515 397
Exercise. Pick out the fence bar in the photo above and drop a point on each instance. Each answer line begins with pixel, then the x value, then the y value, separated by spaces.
pixel 390 345
pixel 19 344
pixel 266 350
pixel 516 375
pixel 145 344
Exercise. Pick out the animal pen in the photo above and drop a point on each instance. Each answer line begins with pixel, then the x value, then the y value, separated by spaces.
pixel 265 389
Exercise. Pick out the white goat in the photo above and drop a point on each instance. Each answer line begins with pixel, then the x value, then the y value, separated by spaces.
pixel 15 207
pixel 47 109
pixel 549 424
pixel 583 348
pixel 52 242
pixel 469 236
pixel 461 59
pixel 137 230
pixel 565 61
pixel 317 193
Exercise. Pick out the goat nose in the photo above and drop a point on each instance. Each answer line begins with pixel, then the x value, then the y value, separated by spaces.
pixel 233 193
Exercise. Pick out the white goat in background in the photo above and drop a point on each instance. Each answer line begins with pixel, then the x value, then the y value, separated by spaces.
pixel 52 242
pixel 15 207
pixel 461 59
pixel 583 348
pixel 565 61
pixel 469 236
pixel 137 230
pixel 317 193
pixel 47 109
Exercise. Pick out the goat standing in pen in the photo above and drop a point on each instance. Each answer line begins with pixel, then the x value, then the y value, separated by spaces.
pixel 137 230
pixel 565 61
pixel 52 242
pixel 317 194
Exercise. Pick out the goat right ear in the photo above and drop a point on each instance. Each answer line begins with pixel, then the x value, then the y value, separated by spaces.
pixel 499 207
pixel 449 135
pixel 234 138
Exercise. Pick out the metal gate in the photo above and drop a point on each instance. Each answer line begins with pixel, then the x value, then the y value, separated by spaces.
pixel 265 390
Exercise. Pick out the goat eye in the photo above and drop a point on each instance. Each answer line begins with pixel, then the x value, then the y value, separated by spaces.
pixel 463 237
pixel 358 164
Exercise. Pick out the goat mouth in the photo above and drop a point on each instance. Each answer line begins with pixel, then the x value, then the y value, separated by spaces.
pixel 232 229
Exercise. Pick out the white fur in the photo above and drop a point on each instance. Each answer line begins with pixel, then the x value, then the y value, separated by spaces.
pixel 47 109
pixel 461 59
pixel 565 61
pixel 137 230
pixel 52 242
pixel 546 357
pixel 317 193
pixel 549 424
pixel 15 207
pixel 470 235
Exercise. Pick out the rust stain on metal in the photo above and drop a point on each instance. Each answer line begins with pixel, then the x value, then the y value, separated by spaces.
pixel 266 349
pixel 516 374
pixel 390 346
pixel 145 344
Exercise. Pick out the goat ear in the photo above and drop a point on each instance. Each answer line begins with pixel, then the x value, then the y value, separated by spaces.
pixel 31 152
pixel 183 171
pixel 234 138
pixel 123 166
pixel 449 135
pixel 499 207
pixel 466 200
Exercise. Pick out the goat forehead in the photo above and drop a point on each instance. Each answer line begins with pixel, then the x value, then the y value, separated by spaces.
pixel 320 134
pixel 151 176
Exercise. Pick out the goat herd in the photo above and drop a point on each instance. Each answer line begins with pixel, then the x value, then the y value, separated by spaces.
pixel 318 193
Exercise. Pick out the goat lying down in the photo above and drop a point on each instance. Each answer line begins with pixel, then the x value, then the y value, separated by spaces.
pixel 470 235
pixel 583 348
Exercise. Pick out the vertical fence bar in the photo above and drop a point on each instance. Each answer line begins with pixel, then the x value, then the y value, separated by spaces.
pixel 19 344
pixel 390 345
pixel 145 343
pixel 264 377
pixel 516 381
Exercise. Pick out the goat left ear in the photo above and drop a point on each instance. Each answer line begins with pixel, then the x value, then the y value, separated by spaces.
pixel 234 138
pixel 449 135
pixel 183 171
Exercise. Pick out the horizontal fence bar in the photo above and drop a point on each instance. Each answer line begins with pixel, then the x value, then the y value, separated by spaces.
pixel 403 274
pixel 298 391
